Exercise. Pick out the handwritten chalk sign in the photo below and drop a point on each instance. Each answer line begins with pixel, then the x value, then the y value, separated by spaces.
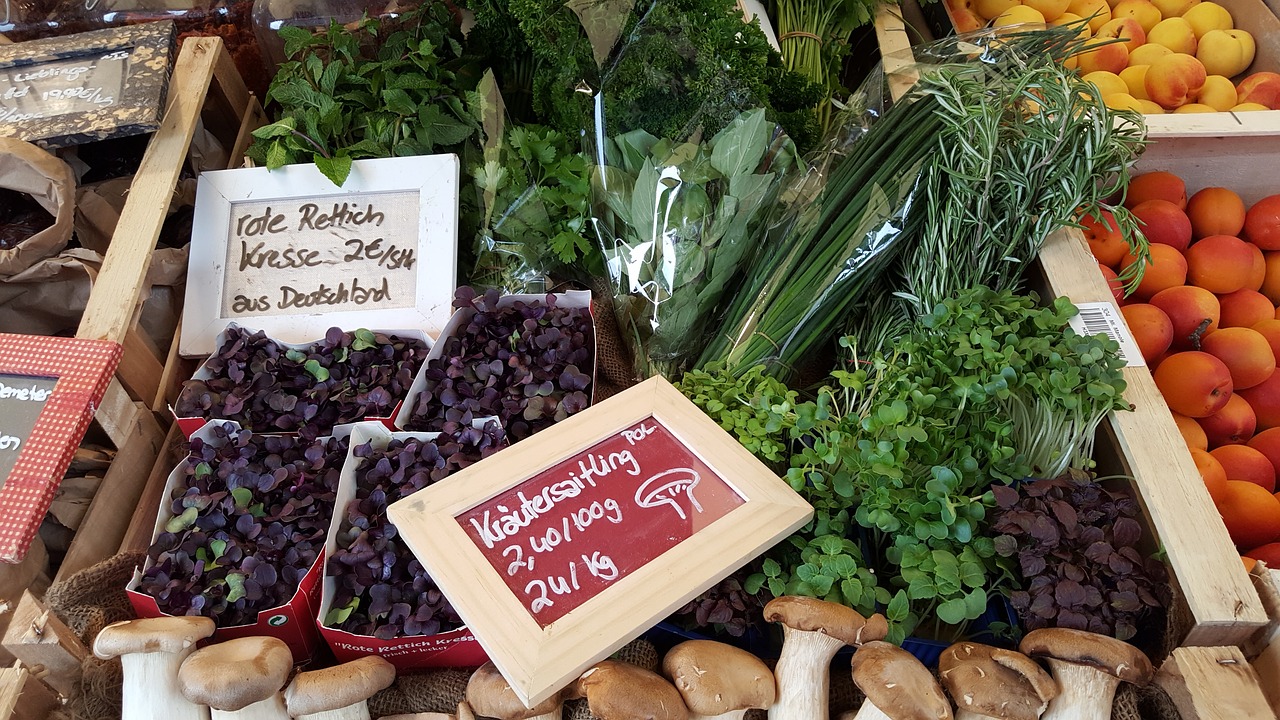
pixel 298 254
pixel 21 400
pixel 91 86
pixel 566 546
pixel 50 388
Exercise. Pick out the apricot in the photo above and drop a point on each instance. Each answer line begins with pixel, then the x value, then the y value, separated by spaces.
pixel 1226 52
pixel 1245 352
pixel 1192 434
pixel 1262 223
pixel 1190 108
pixel 1150 108
pixel 1244 308
pixel 1215 211
pixel 1167 269
pixel 1108 83
pixel 1147 54
pixel 1174 80
pixel 966 20
pixel 1212 472
pixel 1105 240
pixel 1158 185
pixel 1145 13
pixel 1174 8
pixel 1174 33
pixel 1192 310
pixel 1249 107
pixel 1264 398
pixel 1267 442
pixel 1122 101
pixel 1127 29
pixel 1251 514
pixel 1234 424
pixel 1269 554
pixel 1050 9
pixel 1262 88
pixel 1257 271
pixel 1097 12
pixel 1208 16
pixel 1113 282
pixel 1269 329
pixel 1134 78
pixel 1218 93
pixel 1219 263
pixel 1164 223
pixel 1271 280
pixel 1017 15
pixel 1195 384
pixel 992 8
pixel 1245 464
pixel 1111 58
pixel 1151 328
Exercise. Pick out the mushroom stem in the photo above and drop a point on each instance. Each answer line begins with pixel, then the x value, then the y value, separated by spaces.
pixel 357 711
pixel 804 675
pixel 270 709
pixel 869 711
pixel 1084 693
pixel 731 715
pixel 152 691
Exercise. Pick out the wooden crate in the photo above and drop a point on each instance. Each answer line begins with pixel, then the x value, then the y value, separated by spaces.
pixel 1145 443
pixel 1260 21
pixel 205 87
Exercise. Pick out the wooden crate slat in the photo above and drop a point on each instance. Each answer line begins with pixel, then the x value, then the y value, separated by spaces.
pixel 109 313
pixel 1213 683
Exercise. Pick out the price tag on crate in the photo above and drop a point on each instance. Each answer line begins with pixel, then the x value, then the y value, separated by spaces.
pixel 1102 318
pixel 567 545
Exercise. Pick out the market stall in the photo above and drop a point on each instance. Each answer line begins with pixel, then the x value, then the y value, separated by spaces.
pixel 636 360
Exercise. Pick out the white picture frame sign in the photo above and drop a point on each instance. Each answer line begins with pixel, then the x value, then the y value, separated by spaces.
pixel 290 253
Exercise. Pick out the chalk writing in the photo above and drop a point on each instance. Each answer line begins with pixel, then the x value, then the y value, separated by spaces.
pixel 62 87
pixel 562 536
pixel 21 400
pixel 356 252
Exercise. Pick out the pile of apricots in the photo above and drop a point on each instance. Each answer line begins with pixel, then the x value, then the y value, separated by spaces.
pixel 1205 317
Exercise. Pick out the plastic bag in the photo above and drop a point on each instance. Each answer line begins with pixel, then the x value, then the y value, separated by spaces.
pixel 688 164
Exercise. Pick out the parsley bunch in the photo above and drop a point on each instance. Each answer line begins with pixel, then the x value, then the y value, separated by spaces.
pixel 351 93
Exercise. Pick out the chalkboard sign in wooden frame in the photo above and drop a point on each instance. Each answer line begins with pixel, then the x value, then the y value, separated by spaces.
pixel 82 369
pixel 46 86
pixel 288 252
pixel 583 502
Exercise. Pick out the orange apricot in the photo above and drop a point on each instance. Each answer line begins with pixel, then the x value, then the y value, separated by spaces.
pixel 1245 352
pixel 1234 424
pixel 1193 311
pixel 1251 514
pixel 1167 269
pixel 1219 263
pixel 1262 223
pixel 1264 398
pixel 1269 329
pixel 1157 185
pixel 1215 211
pixel 1195 384
pixel 1113 282
pixel 1165 223
pixel 1151 328
pixel 1243 463
pixel 1267 442
pixel 1192 434
pixel 1271 282
pixel 1269 554
pixel 1258 272
pixel 1212 472
pixel 1105 239
pixel 1244 308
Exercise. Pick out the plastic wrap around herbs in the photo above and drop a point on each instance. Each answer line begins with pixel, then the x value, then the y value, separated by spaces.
pixel 381 589
pixel 248 521
pixel 527 364
pixel 268 387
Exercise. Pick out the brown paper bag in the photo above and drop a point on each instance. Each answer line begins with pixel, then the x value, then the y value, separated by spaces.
pixel 26 168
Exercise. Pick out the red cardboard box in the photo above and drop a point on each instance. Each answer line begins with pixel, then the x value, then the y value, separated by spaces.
pixel 456 648
pixel 292 622
pixel 189 425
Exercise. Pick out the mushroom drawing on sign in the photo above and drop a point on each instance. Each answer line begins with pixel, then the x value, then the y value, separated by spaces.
pixel 681 480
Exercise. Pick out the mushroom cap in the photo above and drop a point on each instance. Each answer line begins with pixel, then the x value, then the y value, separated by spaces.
pixel 465 712
pixel 148 635
pixel 234 674
pixel 489 694
pixel 715 678
pixel 1106 654
pixel 622 691
pixel 899 684
pixel 995 682
pixel 814 615
pixel 317 691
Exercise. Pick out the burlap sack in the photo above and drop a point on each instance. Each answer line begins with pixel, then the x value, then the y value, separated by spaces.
pixel 28 169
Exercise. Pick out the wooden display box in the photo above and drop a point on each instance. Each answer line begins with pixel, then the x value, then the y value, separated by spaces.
pixel 1260 21
pixel 1145 444
pixel 204 88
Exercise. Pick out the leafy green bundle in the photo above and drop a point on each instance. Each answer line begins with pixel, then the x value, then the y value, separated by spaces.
pixel 349 94
pixel 676 221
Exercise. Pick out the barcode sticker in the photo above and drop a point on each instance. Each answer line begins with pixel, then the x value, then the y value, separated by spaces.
pixel 1102 318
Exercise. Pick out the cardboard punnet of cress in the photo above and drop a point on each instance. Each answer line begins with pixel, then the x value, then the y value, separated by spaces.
pixel 189 425
pixel 571 299
pixel 291 622
pixel 454 648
